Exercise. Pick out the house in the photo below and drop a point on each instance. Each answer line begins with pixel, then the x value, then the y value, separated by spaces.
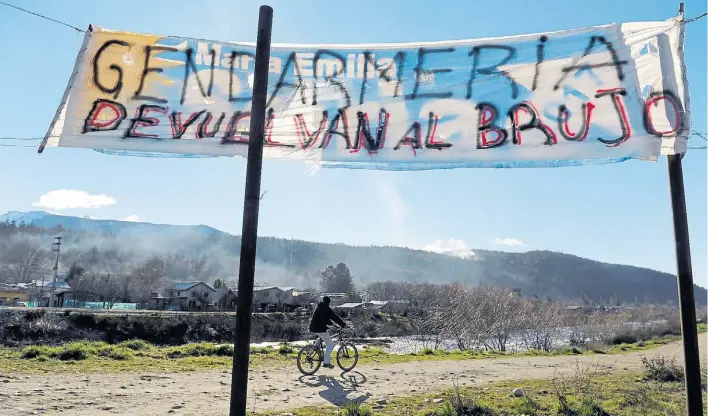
pixel 389 306
pixel 43 290
pixel 185 296
pixel 304 300
pixel 351 306
pixel 225 299
pixel 266 298
pixel 335 298
pixel 377 305
pixel 12 293
pixel 397 306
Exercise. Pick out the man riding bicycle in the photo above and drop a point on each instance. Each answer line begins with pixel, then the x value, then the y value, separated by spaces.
pixel 321 318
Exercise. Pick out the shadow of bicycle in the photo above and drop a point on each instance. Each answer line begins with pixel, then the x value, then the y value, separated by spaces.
pixel 339 392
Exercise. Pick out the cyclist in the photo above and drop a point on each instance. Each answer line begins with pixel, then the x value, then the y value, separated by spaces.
pixel 321 318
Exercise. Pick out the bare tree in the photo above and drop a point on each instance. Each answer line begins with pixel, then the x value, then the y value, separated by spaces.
pixel 502 316
pixel 108 288
pixel 24 261
pixel 147 278
pixel 388 290
pixel 426 314
pixel 542 324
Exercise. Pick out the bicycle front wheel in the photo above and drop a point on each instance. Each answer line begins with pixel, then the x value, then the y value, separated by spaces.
pixel 347 356
pixel 309 360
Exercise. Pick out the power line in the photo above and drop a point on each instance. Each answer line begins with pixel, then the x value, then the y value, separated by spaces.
pixel 687 21
pixel 42 16
pixel 693 19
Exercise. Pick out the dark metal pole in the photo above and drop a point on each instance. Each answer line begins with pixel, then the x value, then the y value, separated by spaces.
pixel 687 304
pixel 249 230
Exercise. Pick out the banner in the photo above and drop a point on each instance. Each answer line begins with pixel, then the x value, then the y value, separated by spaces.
pixel 595 95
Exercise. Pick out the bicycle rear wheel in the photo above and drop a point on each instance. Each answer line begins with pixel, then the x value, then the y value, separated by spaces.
pixel 347 356
pixel 309 360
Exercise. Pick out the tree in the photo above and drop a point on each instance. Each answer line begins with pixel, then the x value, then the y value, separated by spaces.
pixel 218 283
pixel 338 280
pixel 148 278
pixel 388 290
pixel 24 261
pixel 75 272
pixel 107 288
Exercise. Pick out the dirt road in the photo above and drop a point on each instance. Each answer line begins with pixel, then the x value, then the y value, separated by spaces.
pixel 207 393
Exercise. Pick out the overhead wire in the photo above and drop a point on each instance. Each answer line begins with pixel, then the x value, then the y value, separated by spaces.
pixel 42 16
pixel 65 24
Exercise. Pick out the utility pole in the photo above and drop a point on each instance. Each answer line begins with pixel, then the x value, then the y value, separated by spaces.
pixel 56 246
pixel 251 204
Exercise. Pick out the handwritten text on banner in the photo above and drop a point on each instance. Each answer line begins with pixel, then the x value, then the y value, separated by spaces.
pixel 595 95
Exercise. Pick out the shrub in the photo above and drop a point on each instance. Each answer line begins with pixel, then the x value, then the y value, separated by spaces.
pixel 459 404
pixel 285 348
pixel 33 351
pixel 136 345
pixel 597 348
pixel 356 409
pixel 569 350
pixel 119 353
pixel 427 351
pixel 662 369
pixel 261 350
pixel 528 406
pixel 225 350
pixel 624 338
pixel 34 314
pixel 75 351
pixel 192 350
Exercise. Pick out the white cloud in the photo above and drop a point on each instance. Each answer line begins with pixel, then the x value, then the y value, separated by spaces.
pixel 130 218
pixel 508 242
pixel 71 199
pixel 451 247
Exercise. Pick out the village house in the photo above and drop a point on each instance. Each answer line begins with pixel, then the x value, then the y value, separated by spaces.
pixel 350 306
pixel 41 291
pixel 11 294
pixel 225 299
pixel 387 306
pixel 335 298
pixel 185 296
pixel 304 300
pixel 273 298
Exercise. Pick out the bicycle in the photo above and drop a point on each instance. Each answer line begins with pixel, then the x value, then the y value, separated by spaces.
pixel 313 354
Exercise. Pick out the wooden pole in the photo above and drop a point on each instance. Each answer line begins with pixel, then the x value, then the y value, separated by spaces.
pixel 251 204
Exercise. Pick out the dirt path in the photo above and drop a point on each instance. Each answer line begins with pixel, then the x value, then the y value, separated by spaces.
pixel 207 393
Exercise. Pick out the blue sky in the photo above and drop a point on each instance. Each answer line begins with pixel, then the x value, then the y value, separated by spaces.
pixel 616 213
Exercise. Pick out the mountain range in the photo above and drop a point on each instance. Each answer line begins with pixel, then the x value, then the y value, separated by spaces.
pixel 298 263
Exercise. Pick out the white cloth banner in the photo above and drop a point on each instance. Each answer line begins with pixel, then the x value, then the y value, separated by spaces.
pixel 596 95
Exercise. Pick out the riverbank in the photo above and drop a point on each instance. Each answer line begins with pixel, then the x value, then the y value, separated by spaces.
pixel 21 327
pixel 137 355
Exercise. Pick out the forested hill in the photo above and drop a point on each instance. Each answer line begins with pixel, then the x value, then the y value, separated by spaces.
pixel 204 253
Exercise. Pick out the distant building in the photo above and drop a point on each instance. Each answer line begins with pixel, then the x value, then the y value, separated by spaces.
pixel 304 300
pixel 185 296
pixel 43 289
pixel 351 306
pixel 225 299
pixel 12 293
pixel 336 298
pixel 269 298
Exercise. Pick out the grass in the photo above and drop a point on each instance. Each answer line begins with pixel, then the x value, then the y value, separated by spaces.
pixel 584 393
pixel 138 355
